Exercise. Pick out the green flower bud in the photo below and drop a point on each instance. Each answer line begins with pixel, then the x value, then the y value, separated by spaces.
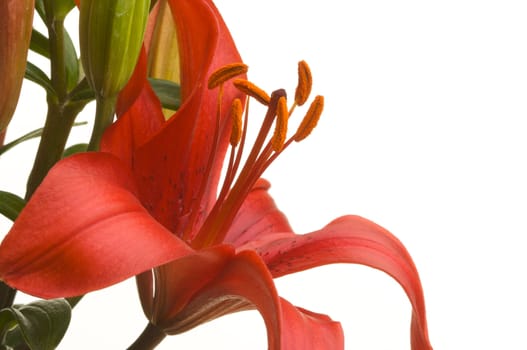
pixel 111 34
pixel 15 34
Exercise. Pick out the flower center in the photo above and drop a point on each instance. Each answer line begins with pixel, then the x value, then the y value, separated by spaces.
pixel 239 179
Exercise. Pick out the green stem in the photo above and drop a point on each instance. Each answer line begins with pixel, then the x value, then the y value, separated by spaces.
pixel 61 112
pixel 59 122
pixel 151 337
pixel 58 65
pixel 105 109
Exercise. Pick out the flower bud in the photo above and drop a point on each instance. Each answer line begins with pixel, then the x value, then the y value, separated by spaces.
pixel 111 34
pixel 15 34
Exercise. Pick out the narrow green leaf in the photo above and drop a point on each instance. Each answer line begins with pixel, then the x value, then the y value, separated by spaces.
pixel 10 205
pixel 42 323
pixel 80 147
pixel 28 136
pixel 168 92
pixel 39 6
pixel 39 43
pixel 36 75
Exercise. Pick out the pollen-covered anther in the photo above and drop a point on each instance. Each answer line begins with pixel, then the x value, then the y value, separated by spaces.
pixel 252 90
pixel 226 73
pixel 280 130
pixel 236 116
pixel 311 119
pixel 305 82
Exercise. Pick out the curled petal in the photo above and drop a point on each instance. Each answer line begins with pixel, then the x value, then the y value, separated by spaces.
pixel 83 230
pixel 350 239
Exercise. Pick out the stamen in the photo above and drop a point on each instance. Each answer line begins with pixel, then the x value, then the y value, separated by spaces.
pixel 236 115
pixel 239 179
pixel 280 131
pixel 252 90
pixel 310 120
pixel 225 73
pixel 305 82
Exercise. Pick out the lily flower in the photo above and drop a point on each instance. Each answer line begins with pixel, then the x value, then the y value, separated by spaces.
pixel 154 204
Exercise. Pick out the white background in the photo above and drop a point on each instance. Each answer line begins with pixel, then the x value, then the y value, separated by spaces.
pixel 423 132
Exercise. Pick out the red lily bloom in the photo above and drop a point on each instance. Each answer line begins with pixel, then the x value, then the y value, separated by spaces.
pixel 149 201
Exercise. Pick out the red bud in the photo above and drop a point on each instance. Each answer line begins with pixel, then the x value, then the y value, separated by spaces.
pixel 15 33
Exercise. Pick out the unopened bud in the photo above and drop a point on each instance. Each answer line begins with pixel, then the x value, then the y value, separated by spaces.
pixel 15 34
pixel 111 34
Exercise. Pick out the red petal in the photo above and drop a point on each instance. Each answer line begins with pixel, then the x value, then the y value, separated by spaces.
pixel 212 283
pixel 185 159
pixel 350 239
pixel 138 81
pixel 140 116
pixel 215 282
pixel 306 330
pixel 260 225
pixel 258 217
pixel 82 230
pixel 204 41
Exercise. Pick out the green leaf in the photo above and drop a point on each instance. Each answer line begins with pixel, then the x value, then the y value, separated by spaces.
pixel 39 43
pixel 42 323
pixel 6 323
pixel 168 92
pixel 36 75
pixel 80 147
pixel 15 339
pixel 10 205
pixel 39 6
pixel 28 136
